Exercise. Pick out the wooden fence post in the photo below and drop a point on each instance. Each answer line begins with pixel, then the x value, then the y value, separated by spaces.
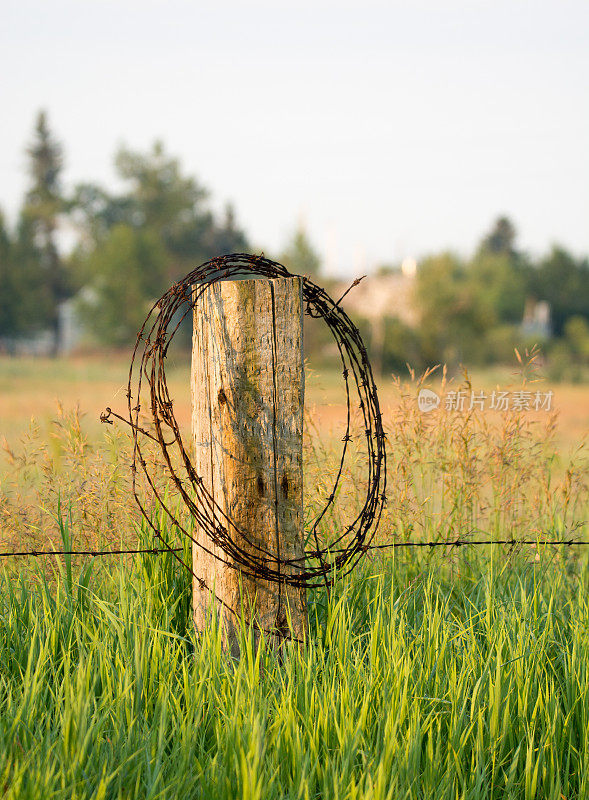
pixel 247 424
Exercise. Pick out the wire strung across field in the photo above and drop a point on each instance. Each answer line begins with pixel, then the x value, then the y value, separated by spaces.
pixel 386 545
pixel 93 553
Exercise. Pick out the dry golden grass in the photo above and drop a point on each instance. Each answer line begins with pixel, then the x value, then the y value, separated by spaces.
pixel 483 474
pixel 34 389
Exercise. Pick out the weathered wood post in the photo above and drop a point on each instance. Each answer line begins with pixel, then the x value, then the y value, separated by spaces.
pixel 247 424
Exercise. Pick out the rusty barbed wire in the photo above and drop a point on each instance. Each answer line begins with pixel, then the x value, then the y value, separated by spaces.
pixel 238 548
pixel 385 546
pixel 94 553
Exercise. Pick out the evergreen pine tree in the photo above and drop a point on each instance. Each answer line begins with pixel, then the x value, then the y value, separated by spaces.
pixel 43 205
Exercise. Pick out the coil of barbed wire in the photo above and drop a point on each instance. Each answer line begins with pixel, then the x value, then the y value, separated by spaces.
pixel 239 550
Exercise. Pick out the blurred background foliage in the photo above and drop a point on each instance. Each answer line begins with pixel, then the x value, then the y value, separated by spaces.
pixel 125 248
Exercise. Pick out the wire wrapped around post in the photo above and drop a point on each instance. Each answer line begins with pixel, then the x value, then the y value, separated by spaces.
pixel 147 375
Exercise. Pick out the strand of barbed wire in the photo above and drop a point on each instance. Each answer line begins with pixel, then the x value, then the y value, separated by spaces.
pixel 92 552
pixel 387 545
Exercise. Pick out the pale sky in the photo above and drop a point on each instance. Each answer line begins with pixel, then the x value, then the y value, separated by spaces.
pixel 392 129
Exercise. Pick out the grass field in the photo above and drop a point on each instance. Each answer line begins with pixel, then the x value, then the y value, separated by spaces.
pixel 414 684
pixel 431 673
pixel 33 388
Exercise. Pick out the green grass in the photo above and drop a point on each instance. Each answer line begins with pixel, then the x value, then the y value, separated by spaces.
pixel 416 682
pixel 442 673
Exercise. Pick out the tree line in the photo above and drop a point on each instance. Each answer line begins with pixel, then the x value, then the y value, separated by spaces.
pixel 476 310
pixel 132 244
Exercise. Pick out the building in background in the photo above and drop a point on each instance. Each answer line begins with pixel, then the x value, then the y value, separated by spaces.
pixel 380 297
pixel 536 320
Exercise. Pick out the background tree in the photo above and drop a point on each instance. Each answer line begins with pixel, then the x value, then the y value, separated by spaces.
pixel 159 197
pixel 126 272
pixel 25 305
pixel 40 218
pixel 94 211
pixel 496 276
pixel 160 205
pixel 8 299
pixel 171 205
pixel 563 281
pixel 226 237
pixel 501 238
pixel 577 336
pixel 503 270
pixel 454 313
pixel 300 257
